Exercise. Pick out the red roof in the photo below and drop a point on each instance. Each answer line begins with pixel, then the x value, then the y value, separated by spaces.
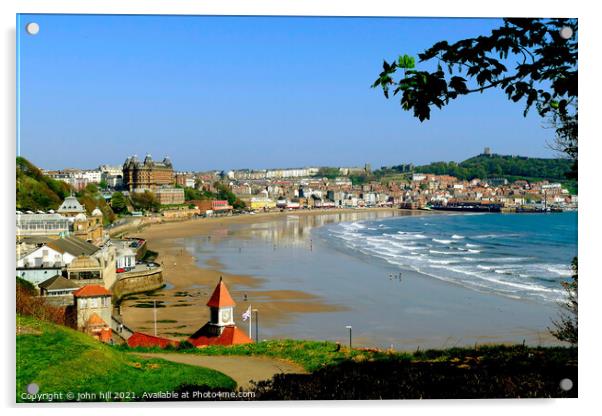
pixel 231 335
pixel 220 297
pixel 91 291
pixel 138 339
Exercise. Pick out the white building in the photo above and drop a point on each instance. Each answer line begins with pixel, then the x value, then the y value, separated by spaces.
pixel 48 225
pixel 125 258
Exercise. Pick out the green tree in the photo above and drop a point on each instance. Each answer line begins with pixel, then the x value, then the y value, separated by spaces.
pixel 118 202
pixel 565 329
pixel 528 59
pixel 145 201
pixel 224 192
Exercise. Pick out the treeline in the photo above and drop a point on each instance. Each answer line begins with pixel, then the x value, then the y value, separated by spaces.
pixel 35 191
pixel 222 192
pixel 497 166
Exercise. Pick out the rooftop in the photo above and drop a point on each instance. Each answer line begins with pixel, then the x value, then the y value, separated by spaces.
pixel 220 297
pixel 91 291
pixel 73 245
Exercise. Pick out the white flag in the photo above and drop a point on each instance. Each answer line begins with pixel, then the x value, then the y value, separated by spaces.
pixel 247 314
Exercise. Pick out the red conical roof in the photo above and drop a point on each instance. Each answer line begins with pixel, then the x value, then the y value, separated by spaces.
pixel 220 297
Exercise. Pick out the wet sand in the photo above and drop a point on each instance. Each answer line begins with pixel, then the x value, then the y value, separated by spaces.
pixel 181 305
pixel 306 289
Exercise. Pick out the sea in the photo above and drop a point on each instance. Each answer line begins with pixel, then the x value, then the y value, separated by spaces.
pixel 512 255
pixel 406 279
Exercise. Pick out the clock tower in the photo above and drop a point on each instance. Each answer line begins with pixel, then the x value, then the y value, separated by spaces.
pixel 221 308
pixel 221 329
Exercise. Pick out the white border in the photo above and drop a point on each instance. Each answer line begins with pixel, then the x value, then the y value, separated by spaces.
pixel 589 224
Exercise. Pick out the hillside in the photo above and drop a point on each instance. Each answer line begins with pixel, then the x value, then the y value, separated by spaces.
pixel 499 166
pixel 59 359
pixel 36 191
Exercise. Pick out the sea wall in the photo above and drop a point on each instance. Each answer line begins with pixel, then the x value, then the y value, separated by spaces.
pixel 137 282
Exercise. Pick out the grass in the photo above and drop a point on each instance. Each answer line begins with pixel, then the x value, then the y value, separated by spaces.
pixel 61 360
pixel 311 355
pixel 314 355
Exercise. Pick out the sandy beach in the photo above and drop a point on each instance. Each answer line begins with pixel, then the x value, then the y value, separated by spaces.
pixel 305 288
pixel 181 304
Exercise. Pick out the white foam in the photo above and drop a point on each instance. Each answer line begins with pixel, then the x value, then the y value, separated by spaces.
pixel 436 240
pixel 457 237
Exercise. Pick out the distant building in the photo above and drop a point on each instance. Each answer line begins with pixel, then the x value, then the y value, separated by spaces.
pixel 58 290
pixel 147 174
pixel 89 228
pixel 185 180
pixel 487 151
pixel 170 196
pixel 216 207
pixel 221 329
pixel 71 207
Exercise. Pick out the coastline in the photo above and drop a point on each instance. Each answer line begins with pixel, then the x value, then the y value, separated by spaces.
pixel 189 284
pixel 464 316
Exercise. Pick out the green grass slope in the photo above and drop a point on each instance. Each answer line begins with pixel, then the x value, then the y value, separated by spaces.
pixel 59 359
pixel 36 191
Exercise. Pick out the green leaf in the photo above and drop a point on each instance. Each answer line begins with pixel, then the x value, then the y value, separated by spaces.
pixel 406 62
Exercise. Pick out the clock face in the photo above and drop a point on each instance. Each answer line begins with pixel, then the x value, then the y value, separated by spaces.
pixel 226 315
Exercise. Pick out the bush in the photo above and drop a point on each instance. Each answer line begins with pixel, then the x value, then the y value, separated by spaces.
pixel 28 303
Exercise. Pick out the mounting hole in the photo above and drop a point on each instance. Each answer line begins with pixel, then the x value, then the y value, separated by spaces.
pixel 33 388
pixel 566 384
pixel 566 32
pixel 32 28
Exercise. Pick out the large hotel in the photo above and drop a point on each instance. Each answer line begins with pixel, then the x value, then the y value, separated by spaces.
pixel 148 174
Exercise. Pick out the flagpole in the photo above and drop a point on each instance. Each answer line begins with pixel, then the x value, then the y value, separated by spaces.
pixel 250 323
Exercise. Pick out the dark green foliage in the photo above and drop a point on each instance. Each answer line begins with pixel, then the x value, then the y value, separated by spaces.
pixel 224 192
pixel 118 203
pixel 330 173
pixel 565 329
pixel 527 59
pixel 544 74
pixel 359 179
pixel 35 191
pixel 145 201
pixel 487 372
pixel 191 194
pixel 26 286
pixel 498 166
pixel 91 198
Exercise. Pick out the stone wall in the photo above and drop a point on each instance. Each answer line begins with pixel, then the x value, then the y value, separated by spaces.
pixel 137 282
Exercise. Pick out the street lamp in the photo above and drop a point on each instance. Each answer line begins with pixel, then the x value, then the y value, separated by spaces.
pixel 349 327
pixel 256 325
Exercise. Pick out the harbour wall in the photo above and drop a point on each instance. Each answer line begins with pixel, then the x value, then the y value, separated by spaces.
pixel 137 282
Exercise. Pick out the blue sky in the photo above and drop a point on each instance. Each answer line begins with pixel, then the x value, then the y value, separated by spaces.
pixel 246 92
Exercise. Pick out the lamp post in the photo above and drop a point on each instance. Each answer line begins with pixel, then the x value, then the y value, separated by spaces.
pixel 155 315
pixel 349 327
pixel 256 325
